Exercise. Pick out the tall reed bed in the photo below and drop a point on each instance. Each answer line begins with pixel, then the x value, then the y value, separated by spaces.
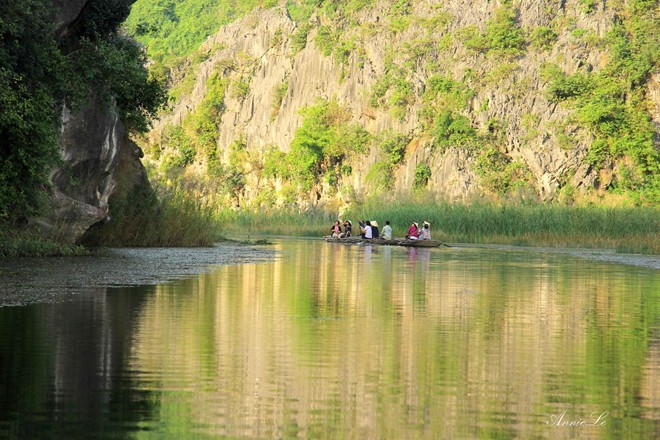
pixel 310 223
pixel 623 229
pixel 172 218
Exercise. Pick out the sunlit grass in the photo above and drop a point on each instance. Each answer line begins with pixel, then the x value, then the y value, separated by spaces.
pixel 169 219
pixel 311 223
pixel 631 230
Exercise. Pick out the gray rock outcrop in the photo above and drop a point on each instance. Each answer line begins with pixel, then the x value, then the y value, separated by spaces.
pixel 94 142
pixel 535 132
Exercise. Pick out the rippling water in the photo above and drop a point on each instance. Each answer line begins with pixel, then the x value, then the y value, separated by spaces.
pixel 335 341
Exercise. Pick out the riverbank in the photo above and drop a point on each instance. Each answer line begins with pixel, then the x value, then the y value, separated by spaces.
pixel 623 230
pixel 32 280
pixel 18 244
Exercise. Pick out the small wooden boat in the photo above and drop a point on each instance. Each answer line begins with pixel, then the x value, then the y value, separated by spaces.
pixel 382 242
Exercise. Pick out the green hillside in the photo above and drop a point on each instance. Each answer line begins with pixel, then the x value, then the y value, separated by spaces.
pixel 173 29
pixel 609 103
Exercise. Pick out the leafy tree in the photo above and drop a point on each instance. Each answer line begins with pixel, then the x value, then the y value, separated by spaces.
pixel 33 81
pixel 40 73
pixel 422 175
pixel 454 130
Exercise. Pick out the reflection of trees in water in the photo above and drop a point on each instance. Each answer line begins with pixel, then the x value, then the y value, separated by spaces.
pixel 325 342
pixel 63 366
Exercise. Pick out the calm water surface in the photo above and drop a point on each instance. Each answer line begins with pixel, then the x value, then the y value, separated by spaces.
pixel 337 341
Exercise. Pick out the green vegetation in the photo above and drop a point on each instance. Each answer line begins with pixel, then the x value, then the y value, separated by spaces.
pixel 299 38
pixel 319 147
pixel 40 72
pixel 422 176
pixel 610 103
pixel 502 35
pixel 173 29
pixel 456 107
pixel 168 217
pixel 633 230
pixel 612 109
pixel 196 137
pixel 623 229
pixel 15 244
pixel 301 10
pixel 542 37
pixel 454 130
pixel 379 178
pixel 278 96
pixel 294 222
pixel 499 173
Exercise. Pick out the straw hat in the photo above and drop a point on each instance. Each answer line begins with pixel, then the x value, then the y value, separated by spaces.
pixel 374 223
pixel 427 223
pixel 416 225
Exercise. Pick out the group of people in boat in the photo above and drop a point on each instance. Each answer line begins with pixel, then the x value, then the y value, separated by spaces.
pixel 369 229
pixel 417 233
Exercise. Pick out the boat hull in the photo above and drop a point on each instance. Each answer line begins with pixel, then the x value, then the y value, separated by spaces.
pixel 382 242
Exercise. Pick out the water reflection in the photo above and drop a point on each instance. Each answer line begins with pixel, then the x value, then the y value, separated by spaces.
pixel 341 341
pixel 63 368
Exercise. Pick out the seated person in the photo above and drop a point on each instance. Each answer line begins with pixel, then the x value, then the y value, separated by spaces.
pixel 374 229
pixel 348 229
pixel 335 230
pixel 425 233
pixel 387 231
pixel 368 231
pixel 413 231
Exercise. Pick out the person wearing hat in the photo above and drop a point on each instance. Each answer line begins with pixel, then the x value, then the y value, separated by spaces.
pixel 425 233
pixel 374 228
pixel 413 230
pixel 348 229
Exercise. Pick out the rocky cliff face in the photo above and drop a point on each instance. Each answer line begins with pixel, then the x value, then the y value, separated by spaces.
pixel 507 92
pixel 94 143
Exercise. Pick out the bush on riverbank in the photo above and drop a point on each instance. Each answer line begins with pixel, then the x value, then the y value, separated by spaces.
pixel 633 230
pixel 170 218
pixel 14 244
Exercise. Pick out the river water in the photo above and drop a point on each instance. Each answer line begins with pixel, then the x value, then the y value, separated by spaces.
pixel 306 339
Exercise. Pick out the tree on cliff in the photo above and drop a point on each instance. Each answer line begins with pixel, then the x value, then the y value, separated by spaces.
pixel 41 72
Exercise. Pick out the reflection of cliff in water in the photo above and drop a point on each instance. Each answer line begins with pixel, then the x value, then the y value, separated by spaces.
pixel 63 366
pixel 339 341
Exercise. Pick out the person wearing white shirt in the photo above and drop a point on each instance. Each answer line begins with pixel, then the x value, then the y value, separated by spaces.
pixel 368 233
pixel 387 231
pixel 425 233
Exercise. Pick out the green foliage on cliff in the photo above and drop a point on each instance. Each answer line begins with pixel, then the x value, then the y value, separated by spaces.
pixel 502 34
pixel 320 146
pixel 31 85
pixel 196 137
pixel 462 80
pixel 174 29
pixel 39 73
pixel 454 130
pixel 610 103
pixel 36 78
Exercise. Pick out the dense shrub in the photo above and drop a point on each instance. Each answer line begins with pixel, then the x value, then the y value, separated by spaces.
pixel 39 73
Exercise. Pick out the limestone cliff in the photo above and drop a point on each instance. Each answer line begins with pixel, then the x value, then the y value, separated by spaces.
pixel 94 145
pixel 257 56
